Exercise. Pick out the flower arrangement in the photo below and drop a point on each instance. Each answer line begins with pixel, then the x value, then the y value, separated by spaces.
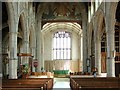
pixel 25 69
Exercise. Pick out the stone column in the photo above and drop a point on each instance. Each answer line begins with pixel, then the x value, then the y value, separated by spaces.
pixel 26 49
pixel 110 35
pixel 38 43
pixel 110 53
pixel 26 46
pixel 13 54
pixel 84 28
pixel 81 52
pixel 110 47
pixel 98 54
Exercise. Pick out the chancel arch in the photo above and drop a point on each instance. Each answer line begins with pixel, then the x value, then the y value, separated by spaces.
pixel 49 30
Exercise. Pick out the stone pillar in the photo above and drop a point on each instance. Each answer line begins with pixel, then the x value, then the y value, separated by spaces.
pixel 110 47
pixel 38 43
pixel 26 47
pixel 98 54
pixel 81 52
pixel 84 28
pixel 110 53
pixel 13 54
pixel 13 31
pixel 110 35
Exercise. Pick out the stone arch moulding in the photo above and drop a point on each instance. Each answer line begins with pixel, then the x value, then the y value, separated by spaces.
pixel 100 16
pixel 110 17
pixel 90 31
pixel 11 16
pixel 100 29
pixel 22 20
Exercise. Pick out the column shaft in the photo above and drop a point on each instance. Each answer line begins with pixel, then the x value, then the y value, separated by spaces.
pixel 38 32
pixel 13 55
pixel 98 55
pixel 26 47
pixel 85 54
pixel 110 54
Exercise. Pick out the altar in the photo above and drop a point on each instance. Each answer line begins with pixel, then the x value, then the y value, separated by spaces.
pixel 61 73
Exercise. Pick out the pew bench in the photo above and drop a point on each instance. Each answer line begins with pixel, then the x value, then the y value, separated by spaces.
pixel 94 83
pixel 29 84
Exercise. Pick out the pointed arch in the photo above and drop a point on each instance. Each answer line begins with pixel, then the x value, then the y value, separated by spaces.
pixel 22 20
pixel 90 31
pixel 100 18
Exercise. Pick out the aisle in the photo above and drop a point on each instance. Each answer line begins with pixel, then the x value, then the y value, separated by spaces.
pixel 61 84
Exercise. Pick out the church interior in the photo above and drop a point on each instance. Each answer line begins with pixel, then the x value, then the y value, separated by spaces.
pixel 48 43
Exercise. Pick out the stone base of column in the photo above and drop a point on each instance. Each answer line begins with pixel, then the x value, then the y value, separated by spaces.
pixel 110 67
pixel 13 69
pixel 110 75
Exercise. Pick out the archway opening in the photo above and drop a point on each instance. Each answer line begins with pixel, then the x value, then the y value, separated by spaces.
pixel 56 48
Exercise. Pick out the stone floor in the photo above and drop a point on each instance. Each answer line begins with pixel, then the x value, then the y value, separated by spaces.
pixel 61 84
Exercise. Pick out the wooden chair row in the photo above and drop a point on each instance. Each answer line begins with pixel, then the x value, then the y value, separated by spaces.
pixel 95 83
pixel 28 84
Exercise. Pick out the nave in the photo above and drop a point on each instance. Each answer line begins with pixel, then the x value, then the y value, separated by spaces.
pixel 42 37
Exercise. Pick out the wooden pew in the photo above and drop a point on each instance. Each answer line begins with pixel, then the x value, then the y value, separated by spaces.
pixel 95 83
pixel 29 84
